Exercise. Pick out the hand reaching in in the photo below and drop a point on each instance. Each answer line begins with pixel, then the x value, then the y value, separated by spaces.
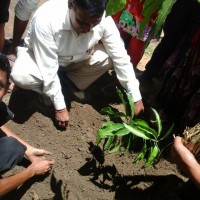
pixel 62 117
pixel 35 154
pixel 139 107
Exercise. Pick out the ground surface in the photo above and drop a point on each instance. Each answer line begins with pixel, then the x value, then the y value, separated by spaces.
pixel 82 172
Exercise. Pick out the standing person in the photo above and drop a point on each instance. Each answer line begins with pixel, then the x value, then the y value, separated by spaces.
pixel 75 37
pixel 180 92
pixel 13 148
pixel 23 11
pixel 128 21
pixel 183 19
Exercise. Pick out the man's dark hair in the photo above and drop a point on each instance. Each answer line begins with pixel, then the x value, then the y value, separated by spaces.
pixel 92 7
pixel 5 65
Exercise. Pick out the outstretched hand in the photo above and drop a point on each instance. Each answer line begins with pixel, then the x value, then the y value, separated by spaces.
pixel 35 154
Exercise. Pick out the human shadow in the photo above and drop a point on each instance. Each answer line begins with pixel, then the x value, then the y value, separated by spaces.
pixel 137 187
pixel 57 187
pixel 19 192
pixel 24 103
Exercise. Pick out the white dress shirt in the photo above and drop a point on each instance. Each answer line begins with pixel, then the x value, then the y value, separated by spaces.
pixel 55 43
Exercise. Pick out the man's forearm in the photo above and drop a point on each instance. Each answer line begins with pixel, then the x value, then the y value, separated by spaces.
pixel 8 132
pixel 12 182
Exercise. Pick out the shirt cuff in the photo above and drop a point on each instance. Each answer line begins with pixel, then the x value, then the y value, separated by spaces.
pixel 59 103
pixel 136 95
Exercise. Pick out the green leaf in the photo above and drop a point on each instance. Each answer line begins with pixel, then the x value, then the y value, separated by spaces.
pixel 140 122
pixel 158 121
pixel 113 6
pixel 121 132
pixel 148 131
pixel 122 100
pixel 98 140
pixel 149 8
pixel 137 132
pixel 110 112
pixel 154 151
pixel 108 142
pixel 131 104
pixel 168 132
pixel 140 155
pixel 129 143
pixel 115 149
pixel 109 129
pixel 162 15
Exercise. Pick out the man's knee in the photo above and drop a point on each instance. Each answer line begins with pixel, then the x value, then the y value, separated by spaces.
pixel 19 78
pixel 12 152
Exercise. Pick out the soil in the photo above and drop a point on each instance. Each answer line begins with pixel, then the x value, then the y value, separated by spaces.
pixel 81 170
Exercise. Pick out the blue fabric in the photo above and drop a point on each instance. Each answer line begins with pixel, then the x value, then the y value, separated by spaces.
pixel 11 153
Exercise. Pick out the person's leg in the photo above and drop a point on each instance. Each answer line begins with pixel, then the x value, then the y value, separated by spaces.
pixel 174 29
pixel 25 72
pixel 18 31
pixel 23 11
pixel 83 74
pixel 11 153
pixel 4 16
pixel 2 36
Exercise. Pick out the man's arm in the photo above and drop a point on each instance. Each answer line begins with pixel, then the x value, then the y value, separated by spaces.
pixel 185 160
pixel 39 167
pixel 31 152
pixel 43 43
pixel 121 61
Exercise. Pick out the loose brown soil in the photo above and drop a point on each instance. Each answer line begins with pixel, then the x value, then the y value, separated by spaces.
pixel 82 171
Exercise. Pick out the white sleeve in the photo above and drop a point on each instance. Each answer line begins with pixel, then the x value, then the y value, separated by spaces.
pixel 24 9
pixel 45 52
pixel 121 60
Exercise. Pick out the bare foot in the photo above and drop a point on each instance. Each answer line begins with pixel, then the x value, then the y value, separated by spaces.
pixel 11 58
pixel 10 87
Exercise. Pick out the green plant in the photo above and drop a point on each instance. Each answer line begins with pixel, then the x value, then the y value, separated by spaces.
pixel 124 130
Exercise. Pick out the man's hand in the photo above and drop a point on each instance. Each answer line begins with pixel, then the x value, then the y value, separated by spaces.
pixel 62 117
pixel 34 154
pixel 139 107
pixel 41 167
pixel 181 155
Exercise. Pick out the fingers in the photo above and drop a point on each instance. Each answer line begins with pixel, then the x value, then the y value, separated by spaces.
pixel 50 165
pixel 51 162
pixel 62 124
pixel 47 152
pixel 39 152
pixel 62 117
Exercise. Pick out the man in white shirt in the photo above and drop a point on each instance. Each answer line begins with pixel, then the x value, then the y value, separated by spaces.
pixel 66 35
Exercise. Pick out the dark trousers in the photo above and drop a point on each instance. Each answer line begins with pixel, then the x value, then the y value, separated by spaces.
pixel 183 18
pixel 11 153
pixel 4 14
